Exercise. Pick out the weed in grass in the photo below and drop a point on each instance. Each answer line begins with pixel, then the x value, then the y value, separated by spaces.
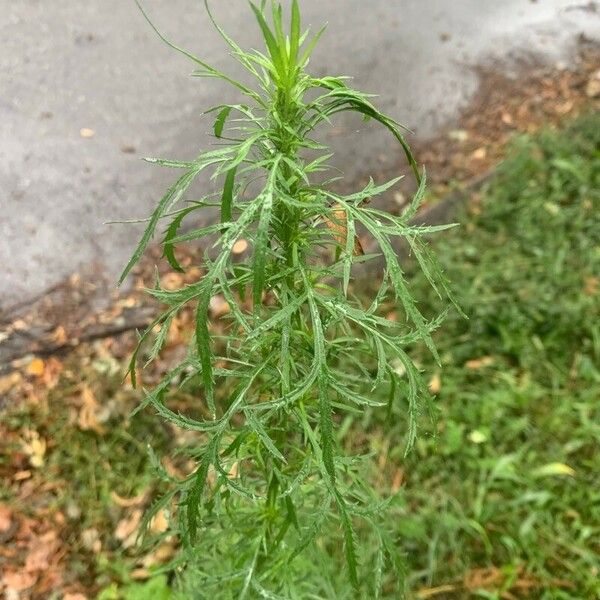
pixel 297 350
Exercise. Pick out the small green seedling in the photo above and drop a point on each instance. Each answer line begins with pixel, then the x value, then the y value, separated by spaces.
pixel 297 351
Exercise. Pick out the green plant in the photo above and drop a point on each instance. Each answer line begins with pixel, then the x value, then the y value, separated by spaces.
pixel 297 348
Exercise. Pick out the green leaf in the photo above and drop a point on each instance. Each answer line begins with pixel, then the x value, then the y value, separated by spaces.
pixel 202 232
pixel 203 340
pixel 349 540
pixel 270 41
pixel 170 198
pixel 262 238
pixel 311 46
pixel 211 70
pixel 220 121
pixel 172 164
pixel 227 197
pixel 264 436
pixel 168 244
pixel 194 495
pixel 294 33
pixel 281 315
pixel 326 423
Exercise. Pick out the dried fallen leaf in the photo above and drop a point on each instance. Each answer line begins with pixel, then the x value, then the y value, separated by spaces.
pixel 564 107
pixel 5 518
pixel 435 385
pixel 479 363
pixel 87 419
pixel 425 593
pixel 140 574
pixel 35 447
pixel 400 199
pixel 161 555
pixel 60 336
pixel 10 382
pixel 507 118
pixel 172 281
pixel 483 578
pixel 19 581
pixel 240 247
pixel 397 481
pixel 218 307
pixel 19 325
pixel 479 154
pixel 38 558
pixel 126 531
pixel 591 286
pixel 129 502
pixel 592 89
pixel 338 225
pixel 36 367
pixel 159 523
pixel 458 135
pixel 90 538
pixel 234 471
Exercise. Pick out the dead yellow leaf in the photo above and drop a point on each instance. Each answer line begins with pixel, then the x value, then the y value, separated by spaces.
pixel 87 419
pixel 5 518
pixel 425 593
pixel 218 306
pixel 18 581
pixel 19 325
pixel 435 385
pixel 240 247
pixel 22 475
pixel 479 363
pixel 591 286
pixel 338 225
pixel 10 382
pixel 397 481
pixel 140 574
pixel 35 447
pixel 126 531
pixel 234 471
pixel 161 555
pixel 39 557
pixel 479 154
pixel 60 335
pixel 129 502
pixel 90 538
pixel 159 523
pixel 36 367
pixel 172 281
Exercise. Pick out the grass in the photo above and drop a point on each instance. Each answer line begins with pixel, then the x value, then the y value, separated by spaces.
pixel 510 482
pixel 500 498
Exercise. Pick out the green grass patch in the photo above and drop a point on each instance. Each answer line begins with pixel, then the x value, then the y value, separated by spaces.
pixel 506 495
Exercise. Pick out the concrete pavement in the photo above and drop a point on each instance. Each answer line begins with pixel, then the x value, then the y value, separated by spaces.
pixel 67 65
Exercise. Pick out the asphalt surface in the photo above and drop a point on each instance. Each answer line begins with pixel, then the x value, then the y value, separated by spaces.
pixel 67 65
